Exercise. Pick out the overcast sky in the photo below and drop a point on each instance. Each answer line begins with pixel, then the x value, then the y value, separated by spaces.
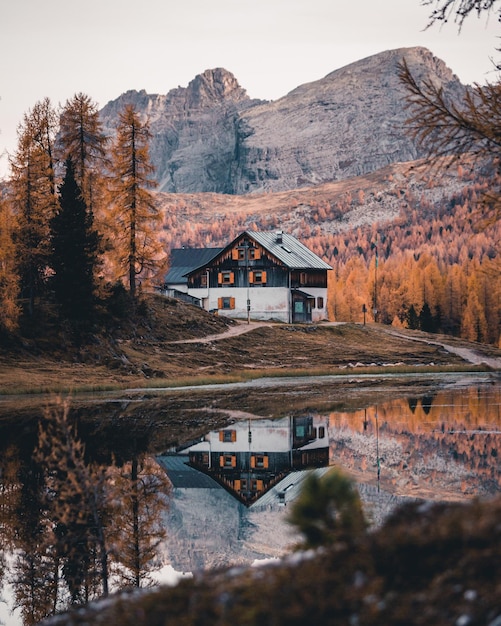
pixel 56 48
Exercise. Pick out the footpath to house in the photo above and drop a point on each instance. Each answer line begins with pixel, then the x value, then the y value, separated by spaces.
pixel 233 331
pixel 469 355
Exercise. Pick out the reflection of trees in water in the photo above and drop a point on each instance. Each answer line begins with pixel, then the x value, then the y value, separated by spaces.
pixel 445 441
pixel 76 526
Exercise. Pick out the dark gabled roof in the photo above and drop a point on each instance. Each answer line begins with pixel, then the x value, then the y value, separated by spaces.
pixel 287 249
pixel 183 476
pixel 184 260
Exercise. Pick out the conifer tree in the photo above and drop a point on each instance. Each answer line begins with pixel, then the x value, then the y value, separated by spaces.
pixel 82 139
pixel 450 128
pixel 74 251
pixel 142 489
pixel 138 250
pixel 32 197
pixel 426 321
pixel 9 279
pixel 78 503
pixel 328 510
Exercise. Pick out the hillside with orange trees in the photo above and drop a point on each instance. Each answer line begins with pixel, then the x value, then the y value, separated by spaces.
pixel 408 243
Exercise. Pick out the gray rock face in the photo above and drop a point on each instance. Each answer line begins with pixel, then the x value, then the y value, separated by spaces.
pixel 210 137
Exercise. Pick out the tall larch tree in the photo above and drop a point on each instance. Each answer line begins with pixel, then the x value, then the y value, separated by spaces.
pixel 32 197
pixel 81 138
pixel 74 256
pixel 136 217
pixel 78 504
pixel 9 279
pixel 142 496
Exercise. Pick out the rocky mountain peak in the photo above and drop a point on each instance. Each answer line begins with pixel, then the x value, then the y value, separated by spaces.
pixel 212 87
pixel 211 137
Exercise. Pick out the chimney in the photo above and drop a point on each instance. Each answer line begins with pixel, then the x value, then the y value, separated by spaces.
pixel 279 235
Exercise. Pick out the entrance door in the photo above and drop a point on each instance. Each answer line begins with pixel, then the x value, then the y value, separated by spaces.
pixel 302 305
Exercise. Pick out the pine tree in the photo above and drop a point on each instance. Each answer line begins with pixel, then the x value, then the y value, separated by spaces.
pixel 139 253
pixel 74 252
pixel 412 318
pixel 426 321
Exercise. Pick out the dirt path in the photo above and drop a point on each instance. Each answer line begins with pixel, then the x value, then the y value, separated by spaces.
pixel 233 331
pixel 469 355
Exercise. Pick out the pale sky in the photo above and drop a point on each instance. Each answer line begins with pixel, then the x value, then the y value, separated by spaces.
pixel 56 48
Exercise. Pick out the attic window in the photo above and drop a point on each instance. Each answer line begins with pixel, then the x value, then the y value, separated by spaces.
pixel 286 249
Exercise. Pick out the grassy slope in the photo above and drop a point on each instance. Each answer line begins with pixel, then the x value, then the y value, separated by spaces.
pixel 143 351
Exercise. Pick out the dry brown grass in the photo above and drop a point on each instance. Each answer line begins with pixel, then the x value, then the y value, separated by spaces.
pixel 145 352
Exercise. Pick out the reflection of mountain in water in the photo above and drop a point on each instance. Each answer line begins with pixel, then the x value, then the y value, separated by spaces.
pixel 234 476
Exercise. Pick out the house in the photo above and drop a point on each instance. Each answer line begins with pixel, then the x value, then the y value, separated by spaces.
pixel 259 275
pixel 249 458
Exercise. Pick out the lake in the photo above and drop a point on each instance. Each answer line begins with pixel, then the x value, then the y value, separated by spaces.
pixel 232 484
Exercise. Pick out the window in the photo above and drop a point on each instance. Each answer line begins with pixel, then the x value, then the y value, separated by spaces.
pixel 226 278
pixel 258 277
pixel 244 253
pixel 203 280
pixel 320 302
pixel 259 461
pixel 303 278
pixel 227 460
pixel 226 303
pixel 228 436
pixel 321 432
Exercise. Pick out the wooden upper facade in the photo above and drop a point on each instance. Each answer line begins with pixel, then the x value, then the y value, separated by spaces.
pixel 263 275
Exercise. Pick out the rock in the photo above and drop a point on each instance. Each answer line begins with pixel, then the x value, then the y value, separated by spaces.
pixel 211 137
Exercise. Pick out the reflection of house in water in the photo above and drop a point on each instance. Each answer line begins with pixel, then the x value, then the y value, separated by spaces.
pixel 250 457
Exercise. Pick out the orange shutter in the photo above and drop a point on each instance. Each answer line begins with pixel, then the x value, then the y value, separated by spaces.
pixel 259 485
pixel 251 277
pixel 235 254
pixel 221 461
pixel 233 461
pixel 253 461
pixel 221 435
pixel 237 485
pixel 220 279
pixel 266 462
pixel 263 276
pixel 257 253
pixel 219 303
pixel 232 278
pixel 233 435
pixel 232 303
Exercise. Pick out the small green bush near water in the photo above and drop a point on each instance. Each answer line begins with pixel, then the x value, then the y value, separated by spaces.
pixel 328 510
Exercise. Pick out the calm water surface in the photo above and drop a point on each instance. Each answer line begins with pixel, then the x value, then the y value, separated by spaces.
pixel 231 488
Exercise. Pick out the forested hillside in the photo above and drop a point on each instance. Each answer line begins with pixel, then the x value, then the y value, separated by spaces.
pixel 408 242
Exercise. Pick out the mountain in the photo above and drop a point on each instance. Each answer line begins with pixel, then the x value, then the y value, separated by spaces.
pixel 211 137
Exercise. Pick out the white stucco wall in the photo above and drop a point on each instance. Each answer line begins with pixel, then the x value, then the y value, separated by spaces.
pixel 266 303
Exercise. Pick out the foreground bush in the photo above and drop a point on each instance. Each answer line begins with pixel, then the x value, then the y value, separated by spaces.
pixel 429 564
